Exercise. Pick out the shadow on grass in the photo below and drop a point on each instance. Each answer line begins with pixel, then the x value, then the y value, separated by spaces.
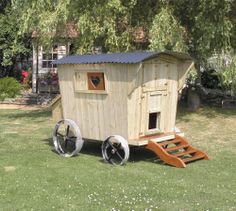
pixel 49 142
pixel 93 148
pixel 35 114
pixel 183 114
pixel 136 153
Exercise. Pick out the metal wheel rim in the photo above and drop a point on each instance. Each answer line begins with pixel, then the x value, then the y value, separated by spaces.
pixel 114 152
pixel 78 138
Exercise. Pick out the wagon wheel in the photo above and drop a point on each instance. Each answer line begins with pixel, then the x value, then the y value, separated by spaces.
pixel 67 138
pixel 115 150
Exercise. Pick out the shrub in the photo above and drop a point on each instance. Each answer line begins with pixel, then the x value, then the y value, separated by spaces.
pixel 9 88
pixel 210 79
pixel 191 80
pixel 227 77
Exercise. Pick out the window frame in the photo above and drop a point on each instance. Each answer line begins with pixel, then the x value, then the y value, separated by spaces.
pixel 101 86
pixel 48 57
pixel 82 75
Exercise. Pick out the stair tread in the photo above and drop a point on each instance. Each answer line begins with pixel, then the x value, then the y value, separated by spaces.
pixel 173 141
pixel 181 146
pixel 185 152
pixel 195 157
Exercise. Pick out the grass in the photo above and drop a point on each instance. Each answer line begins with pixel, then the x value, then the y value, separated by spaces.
pixel 33 177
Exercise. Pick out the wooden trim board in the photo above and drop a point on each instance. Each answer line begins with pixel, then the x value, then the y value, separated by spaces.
pixel 156 138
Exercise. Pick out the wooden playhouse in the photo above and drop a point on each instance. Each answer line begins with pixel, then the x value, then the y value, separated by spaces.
pixel 123 99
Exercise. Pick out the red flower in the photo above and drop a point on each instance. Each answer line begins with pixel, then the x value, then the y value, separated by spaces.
pixel 24 74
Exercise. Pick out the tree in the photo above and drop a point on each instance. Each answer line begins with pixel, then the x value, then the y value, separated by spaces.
pixel 106 23
pixel 200 27
pixel 208 26
pixel 166 33
pixel 11 44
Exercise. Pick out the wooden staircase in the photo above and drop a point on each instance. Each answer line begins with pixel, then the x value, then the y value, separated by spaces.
pixel 176 152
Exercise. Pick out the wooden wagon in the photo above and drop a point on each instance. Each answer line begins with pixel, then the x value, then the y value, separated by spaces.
pixel 123 99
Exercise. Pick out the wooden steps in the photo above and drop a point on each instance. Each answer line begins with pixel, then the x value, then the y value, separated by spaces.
pixel 176 152
pixel 180 154
pixel 181 146
pixel 195 157
pixel 174 141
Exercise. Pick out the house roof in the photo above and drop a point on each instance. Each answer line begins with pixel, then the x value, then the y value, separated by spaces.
pixel 123 58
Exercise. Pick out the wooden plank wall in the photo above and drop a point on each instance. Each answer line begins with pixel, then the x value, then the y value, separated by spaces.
pixel 165 75
pixel 123 108
pixel 97 115
pixel 153 77
pixel 183 68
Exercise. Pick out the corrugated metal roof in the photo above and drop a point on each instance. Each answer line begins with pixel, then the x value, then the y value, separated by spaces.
pixel 124 58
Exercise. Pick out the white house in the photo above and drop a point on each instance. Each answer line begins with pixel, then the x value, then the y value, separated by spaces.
pixel 42 61
pixel 43 58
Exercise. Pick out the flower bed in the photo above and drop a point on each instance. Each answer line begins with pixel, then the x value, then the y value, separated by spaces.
pixel 49 82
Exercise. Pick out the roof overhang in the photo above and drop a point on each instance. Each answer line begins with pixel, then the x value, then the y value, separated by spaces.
pixel 120 58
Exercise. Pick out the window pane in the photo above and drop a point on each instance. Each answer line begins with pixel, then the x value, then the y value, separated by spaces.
pixel 55 48
pixel 45 57
pixel 45 64
pixel 55 56
pixel 96 81
pixel 50 57
pixel 49 63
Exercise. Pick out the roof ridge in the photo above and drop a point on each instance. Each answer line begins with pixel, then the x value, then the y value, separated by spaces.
pixel 123 58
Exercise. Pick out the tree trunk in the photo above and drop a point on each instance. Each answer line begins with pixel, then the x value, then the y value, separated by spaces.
pixel 197 67
pixel 193 100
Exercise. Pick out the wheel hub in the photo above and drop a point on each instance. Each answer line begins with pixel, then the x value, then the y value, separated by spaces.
pixel 115 150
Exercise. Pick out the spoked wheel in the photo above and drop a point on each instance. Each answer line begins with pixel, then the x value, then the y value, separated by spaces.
pixel 67 138
pixel 115 150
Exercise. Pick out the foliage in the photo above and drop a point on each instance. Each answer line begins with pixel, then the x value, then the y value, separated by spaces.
pixel 11 43
pixel 191 80
pixel 208 25
pixel 213 21
pixel 198 27
pixel 9 88
pixel 100 23
pixel 106 24
pixel 210 79
pixel 201 28
pixel 227 76
pixel 166 33
pixel 50 78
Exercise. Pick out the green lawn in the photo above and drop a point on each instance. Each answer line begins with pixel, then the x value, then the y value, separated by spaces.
pixel 33 177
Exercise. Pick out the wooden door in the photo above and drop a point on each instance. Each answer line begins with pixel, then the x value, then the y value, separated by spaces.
pixel 153 99
pixel 152 120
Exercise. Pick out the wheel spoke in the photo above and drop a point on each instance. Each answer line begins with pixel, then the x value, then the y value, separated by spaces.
pixel 118 146
pixel 72 137
pixel 67 130
pixel 115 148
pixel 66 142
pixel 60 134
pixel 118 154
pixel 70 140
pixel 110 157
pixel 111 145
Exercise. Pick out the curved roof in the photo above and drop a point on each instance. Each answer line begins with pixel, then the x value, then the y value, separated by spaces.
pixel 123 58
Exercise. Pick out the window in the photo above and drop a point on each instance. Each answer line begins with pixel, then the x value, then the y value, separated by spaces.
pixel 96 81
pixel 48 58
pixel 89 81
pixel 153 121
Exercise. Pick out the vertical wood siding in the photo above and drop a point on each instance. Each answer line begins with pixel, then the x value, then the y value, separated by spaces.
pixel 123 108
